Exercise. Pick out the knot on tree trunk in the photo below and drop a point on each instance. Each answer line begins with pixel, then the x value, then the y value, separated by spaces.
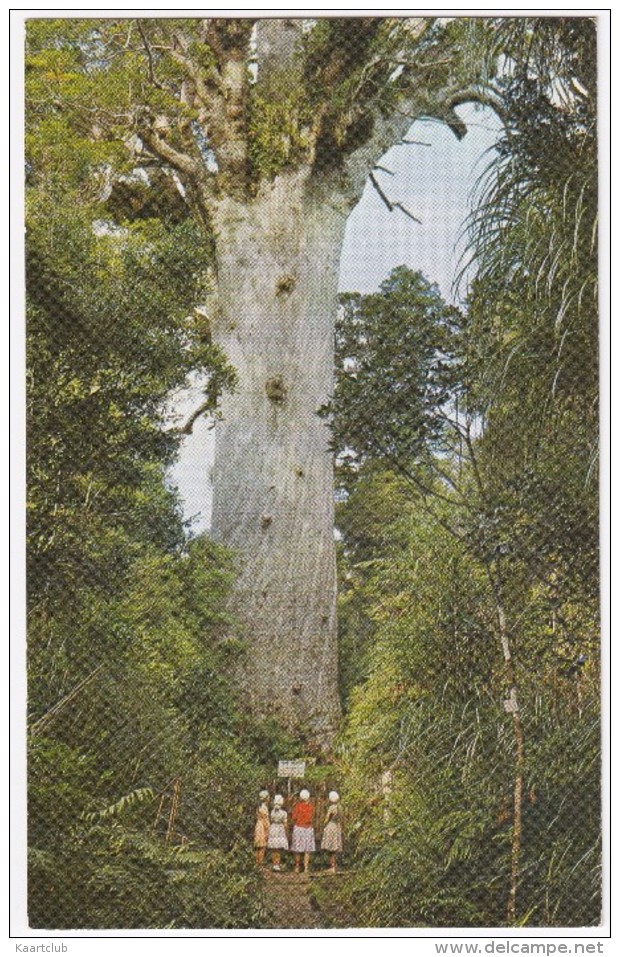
pixel 276 390
pixel 285 285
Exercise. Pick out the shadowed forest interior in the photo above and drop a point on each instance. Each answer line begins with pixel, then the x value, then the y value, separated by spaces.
pixel 400 584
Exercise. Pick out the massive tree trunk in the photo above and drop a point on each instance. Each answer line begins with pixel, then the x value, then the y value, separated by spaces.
pixel 272 132
pixel 278 259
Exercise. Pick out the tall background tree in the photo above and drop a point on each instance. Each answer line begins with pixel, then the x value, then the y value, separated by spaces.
pixel 487 421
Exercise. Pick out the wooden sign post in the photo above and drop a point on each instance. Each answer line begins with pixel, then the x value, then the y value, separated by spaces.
pixel 290 770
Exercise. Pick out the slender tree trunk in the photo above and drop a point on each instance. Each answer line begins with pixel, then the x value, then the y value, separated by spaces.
pixel 278 259
pixel 517 820
pixel 512 706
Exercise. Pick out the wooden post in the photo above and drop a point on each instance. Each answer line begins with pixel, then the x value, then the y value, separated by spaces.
pixel 173 809
pixel 161 804
pixel 511 706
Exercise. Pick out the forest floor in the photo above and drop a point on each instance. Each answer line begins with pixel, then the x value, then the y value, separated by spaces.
pixel 289 901
pixel 303 900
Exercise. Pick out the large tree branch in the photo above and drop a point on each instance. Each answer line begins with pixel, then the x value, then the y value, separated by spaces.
pixel 420 92
pixel 198 185
pixel 484 95
pixel 158 145
pixel 207 80
pixel 214 96
pixel 226 108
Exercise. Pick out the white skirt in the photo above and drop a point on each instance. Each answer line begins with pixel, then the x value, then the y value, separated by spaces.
pixel 277 839
pixel 332 837
pixel 303 840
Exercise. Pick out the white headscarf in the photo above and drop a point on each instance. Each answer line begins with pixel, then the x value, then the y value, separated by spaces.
pixel 334 797
pixel 304 794
pixel 278 800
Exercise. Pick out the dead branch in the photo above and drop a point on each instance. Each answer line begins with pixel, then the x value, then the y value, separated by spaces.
pixel 404 210
pixel 390 205
pixel 380 192
pixel 149 56
pixel 405 142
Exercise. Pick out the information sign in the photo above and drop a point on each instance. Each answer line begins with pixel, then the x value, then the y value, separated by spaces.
pixel 291 769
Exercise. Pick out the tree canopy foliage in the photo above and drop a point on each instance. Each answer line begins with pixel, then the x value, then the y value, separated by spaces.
pixel 396 346
pixel 227 103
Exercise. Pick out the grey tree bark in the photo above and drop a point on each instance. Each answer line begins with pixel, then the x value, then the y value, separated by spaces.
pixel 278 259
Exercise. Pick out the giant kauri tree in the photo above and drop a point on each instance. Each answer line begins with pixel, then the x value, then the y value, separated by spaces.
pixel 269 131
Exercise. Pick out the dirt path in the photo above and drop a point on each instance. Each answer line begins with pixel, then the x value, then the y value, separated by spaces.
pixel 289 901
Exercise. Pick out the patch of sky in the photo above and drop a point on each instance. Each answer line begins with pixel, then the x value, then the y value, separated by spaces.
pixel 205 150
pixel 434 182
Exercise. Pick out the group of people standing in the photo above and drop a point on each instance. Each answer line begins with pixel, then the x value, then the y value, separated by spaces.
pixel 272 830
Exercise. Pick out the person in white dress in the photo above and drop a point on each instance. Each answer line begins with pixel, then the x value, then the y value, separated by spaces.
pixel 277 840
pixel 332 831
